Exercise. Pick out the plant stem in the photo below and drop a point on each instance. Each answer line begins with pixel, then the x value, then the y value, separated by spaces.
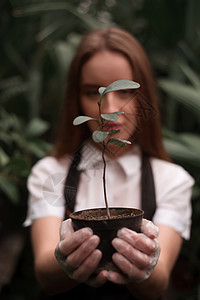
pixel 104 181
pixel 104 163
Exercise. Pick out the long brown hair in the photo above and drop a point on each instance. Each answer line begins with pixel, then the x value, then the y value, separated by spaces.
pixel 70 137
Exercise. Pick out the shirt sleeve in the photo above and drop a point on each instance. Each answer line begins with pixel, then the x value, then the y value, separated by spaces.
pixel 173 197
pixel 46 190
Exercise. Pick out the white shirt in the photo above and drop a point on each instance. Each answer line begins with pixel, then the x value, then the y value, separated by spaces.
pixel 173 187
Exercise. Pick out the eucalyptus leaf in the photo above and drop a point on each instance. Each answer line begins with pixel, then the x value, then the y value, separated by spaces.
pixel 119 85
pixel 82 119
pixel 113 131
pixel 99 136
pixel 110 116
pixel 124 141
pixel 119 142
pixel 101 90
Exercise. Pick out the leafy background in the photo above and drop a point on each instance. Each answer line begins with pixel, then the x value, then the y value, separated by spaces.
pixel 38 39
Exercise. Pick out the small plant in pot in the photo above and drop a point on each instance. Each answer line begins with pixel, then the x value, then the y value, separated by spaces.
pixel 105 222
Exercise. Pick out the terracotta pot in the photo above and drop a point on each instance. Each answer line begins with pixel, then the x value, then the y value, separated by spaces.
pixel 107 229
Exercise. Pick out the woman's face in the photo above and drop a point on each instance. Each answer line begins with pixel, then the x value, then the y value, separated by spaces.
pixel 101 70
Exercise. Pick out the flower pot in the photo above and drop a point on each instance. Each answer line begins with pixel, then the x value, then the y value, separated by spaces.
pixel 107 229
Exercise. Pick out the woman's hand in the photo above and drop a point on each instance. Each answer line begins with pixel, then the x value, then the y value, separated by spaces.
pixel 77 255
pixel 136 256
pixel 137 253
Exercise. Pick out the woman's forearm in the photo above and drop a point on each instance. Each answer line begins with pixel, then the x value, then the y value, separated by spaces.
pixel 50 276
pixel 153 287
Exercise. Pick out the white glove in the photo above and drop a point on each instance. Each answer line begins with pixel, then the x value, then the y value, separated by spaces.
pixel 77 255
pixel 137 253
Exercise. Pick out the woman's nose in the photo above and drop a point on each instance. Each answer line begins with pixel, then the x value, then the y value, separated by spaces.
pixel 109 103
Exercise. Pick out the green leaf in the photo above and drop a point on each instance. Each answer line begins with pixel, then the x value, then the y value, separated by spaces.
pixel 119 142
pixel 4 158
pixel 113 131
pixel 192 141
pixel 181 153
pixel 36 127
pixel 101 90
pixel 185 94
pixel 99 136
pixel 183 148
pixel 18 166
pixel 36 148
pixel 82 119
pixel 111 116
pixel 54 6
pixel 190 74
pixel 9 189
pixel 119 85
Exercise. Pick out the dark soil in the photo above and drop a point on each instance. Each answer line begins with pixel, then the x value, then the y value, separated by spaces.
pixel 100 214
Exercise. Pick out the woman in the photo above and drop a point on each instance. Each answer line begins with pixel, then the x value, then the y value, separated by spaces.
pixel 104 56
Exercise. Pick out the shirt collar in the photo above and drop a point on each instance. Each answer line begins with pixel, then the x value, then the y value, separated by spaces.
pixel 130 162
pixel 91 156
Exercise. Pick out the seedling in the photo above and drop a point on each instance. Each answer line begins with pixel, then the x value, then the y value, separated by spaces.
pixel 106 137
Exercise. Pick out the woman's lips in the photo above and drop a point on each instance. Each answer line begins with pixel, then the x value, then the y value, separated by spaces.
pixel 111 126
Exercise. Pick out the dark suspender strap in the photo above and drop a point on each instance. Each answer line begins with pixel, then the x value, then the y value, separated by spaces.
pixel 148 196
pixel 72 182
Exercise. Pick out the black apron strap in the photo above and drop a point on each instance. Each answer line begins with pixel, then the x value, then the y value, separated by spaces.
pixel 148 197
pixel 72 182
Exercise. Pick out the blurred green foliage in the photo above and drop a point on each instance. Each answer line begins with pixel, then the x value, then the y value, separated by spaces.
pixel 38 38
